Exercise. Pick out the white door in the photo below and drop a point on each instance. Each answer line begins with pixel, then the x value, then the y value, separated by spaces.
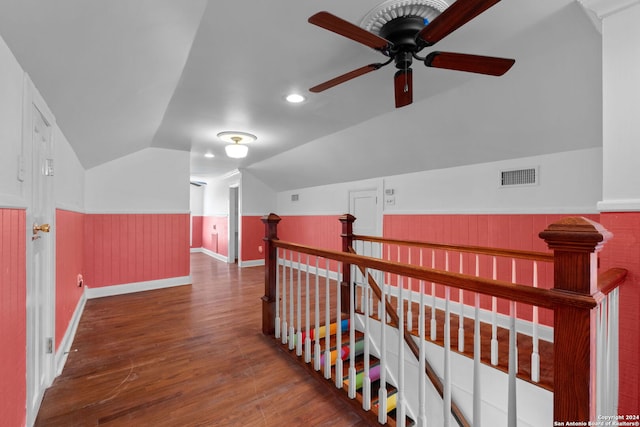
pixel 363 204
pixel 40 283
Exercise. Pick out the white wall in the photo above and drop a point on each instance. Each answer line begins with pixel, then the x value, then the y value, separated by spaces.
pixel 12 192
pixel 621 91
pixel 256 197
pixel 330 199
pixel 196 200
pixel 216 194
pixel 570 182
pixel 69 175
pixel 153 180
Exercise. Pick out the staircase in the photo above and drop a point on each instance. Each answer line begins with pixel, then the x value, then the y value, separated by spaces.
pixel 319 362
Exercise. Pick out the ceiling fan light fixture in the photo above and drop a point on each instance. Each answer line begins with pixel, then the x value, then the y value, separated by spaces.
pixel 236 150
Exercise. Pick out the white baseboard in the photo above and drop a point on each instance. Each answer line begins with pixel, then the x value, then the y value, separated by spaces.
pixel 129 288
pixel 195 250
pixel 67 340
pixel 251 263
pixel 214 255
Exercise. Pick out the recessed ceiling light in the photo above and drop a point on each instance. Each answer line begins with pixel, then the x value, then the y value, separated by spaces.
pixel 295 98
pixel 209 155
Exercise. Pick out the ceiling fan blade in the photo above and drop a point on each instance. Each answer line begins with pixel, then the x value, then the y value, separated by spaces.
pixel 470 63
pixel 453 17
pixel 345 77
pixel 351 31
pixel 403 85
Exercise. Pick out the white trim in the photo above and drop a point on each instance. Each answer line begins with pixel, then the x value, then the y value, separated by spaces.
pixel 129 288
pixel 10 201
pixel 67 340
pixel 69 207
pixel 121 212
pixel 525 211
pixel 620 205
pixel 213 254
pixel 251 263
pixel 195 250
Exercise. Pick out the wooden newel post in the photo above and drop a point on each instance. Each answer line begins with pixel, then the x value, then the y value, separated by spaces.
pixel 347 242
pixel 270 266
pixel 575 242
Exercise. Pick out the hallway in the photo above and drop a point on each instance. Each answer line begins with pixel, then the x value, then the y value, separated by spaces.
pixel 186 356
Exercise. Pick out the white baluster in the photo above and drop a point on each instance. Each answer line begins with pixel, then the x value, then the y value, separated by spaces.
pixel 292 330
pixel 327 327
pixel 339 376
pixel 446 394
pixel 433 299
pixel 512 416
pixel 316 333
pixel 422 385
pixel 477 349
pixel 535 354
pixel 285 332
pixel 299 310
pixel 307 320
pixel 494 319
pixel 382 392
pixel 400 403
pixel 461 313
pixel 352 342
pixel 366 381
pixel 409 299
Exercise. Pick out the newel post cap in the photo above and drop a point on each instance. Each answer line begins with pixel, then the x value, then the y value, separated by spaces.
pixel 576 234
pixel 271 218
pixel 347 218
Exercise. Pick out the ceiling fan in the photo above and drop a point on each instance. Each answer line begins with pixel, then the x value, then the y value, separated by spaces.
pixel 403 37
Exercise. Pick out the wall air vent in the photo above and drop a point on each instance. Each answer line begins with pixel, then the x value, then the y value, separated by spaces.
pixel 519 177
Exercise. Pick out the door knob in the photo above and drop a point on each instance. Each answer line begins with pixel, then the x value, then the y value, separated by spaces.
pixel 45 228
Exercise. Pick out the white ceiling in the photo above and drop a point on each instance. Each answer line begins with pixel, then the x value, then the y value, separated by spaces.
pixel 123 75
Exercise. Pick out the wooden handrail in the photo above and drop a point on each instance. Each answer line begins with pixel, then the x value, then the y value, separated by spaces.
pixel 547 298
pixel 611 279
pixel 511 253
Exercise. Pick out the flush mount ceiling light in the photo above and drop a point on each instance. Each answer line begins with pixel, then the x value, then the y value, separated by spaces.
pixel 236 150
pixel 209 155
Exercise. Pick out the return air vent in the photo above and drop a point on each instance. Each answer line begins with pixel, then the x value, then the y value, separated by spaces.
pixel 519 177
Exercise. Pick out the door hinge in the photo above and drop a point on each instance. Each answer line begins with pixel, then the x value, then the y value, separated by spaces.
pixel 49 345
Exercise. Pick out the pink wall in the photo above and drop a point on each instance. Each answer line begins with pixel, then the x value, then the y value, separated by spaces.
pixel 215 234
pixel 196 231
pixel 623 250
pixel 69 263
pixel 13 285
pixel 130 248
pixel 252 235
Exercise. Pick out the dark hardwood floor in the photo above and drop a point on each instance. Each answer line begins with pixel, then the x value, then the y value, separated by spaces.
pixel 187 356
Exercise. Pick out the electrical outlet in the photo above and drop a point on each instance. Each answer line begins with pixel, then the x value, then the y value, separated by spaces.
pixel 390 200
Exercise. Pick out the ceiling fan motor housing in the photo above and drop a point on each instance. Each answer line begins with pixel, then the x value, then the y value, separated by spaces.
pixel 402 33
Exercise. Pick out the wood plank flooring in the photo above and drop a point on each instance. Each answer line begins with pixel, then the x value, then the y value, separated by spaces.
pixel 186 356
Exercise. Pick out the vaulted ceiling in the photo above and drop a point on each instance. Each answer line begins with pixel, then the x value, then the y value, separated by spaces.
pixel 124 75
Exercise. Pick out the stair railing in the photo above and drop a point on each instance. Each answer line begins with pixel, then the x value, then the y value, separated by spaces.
pixel 574 300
